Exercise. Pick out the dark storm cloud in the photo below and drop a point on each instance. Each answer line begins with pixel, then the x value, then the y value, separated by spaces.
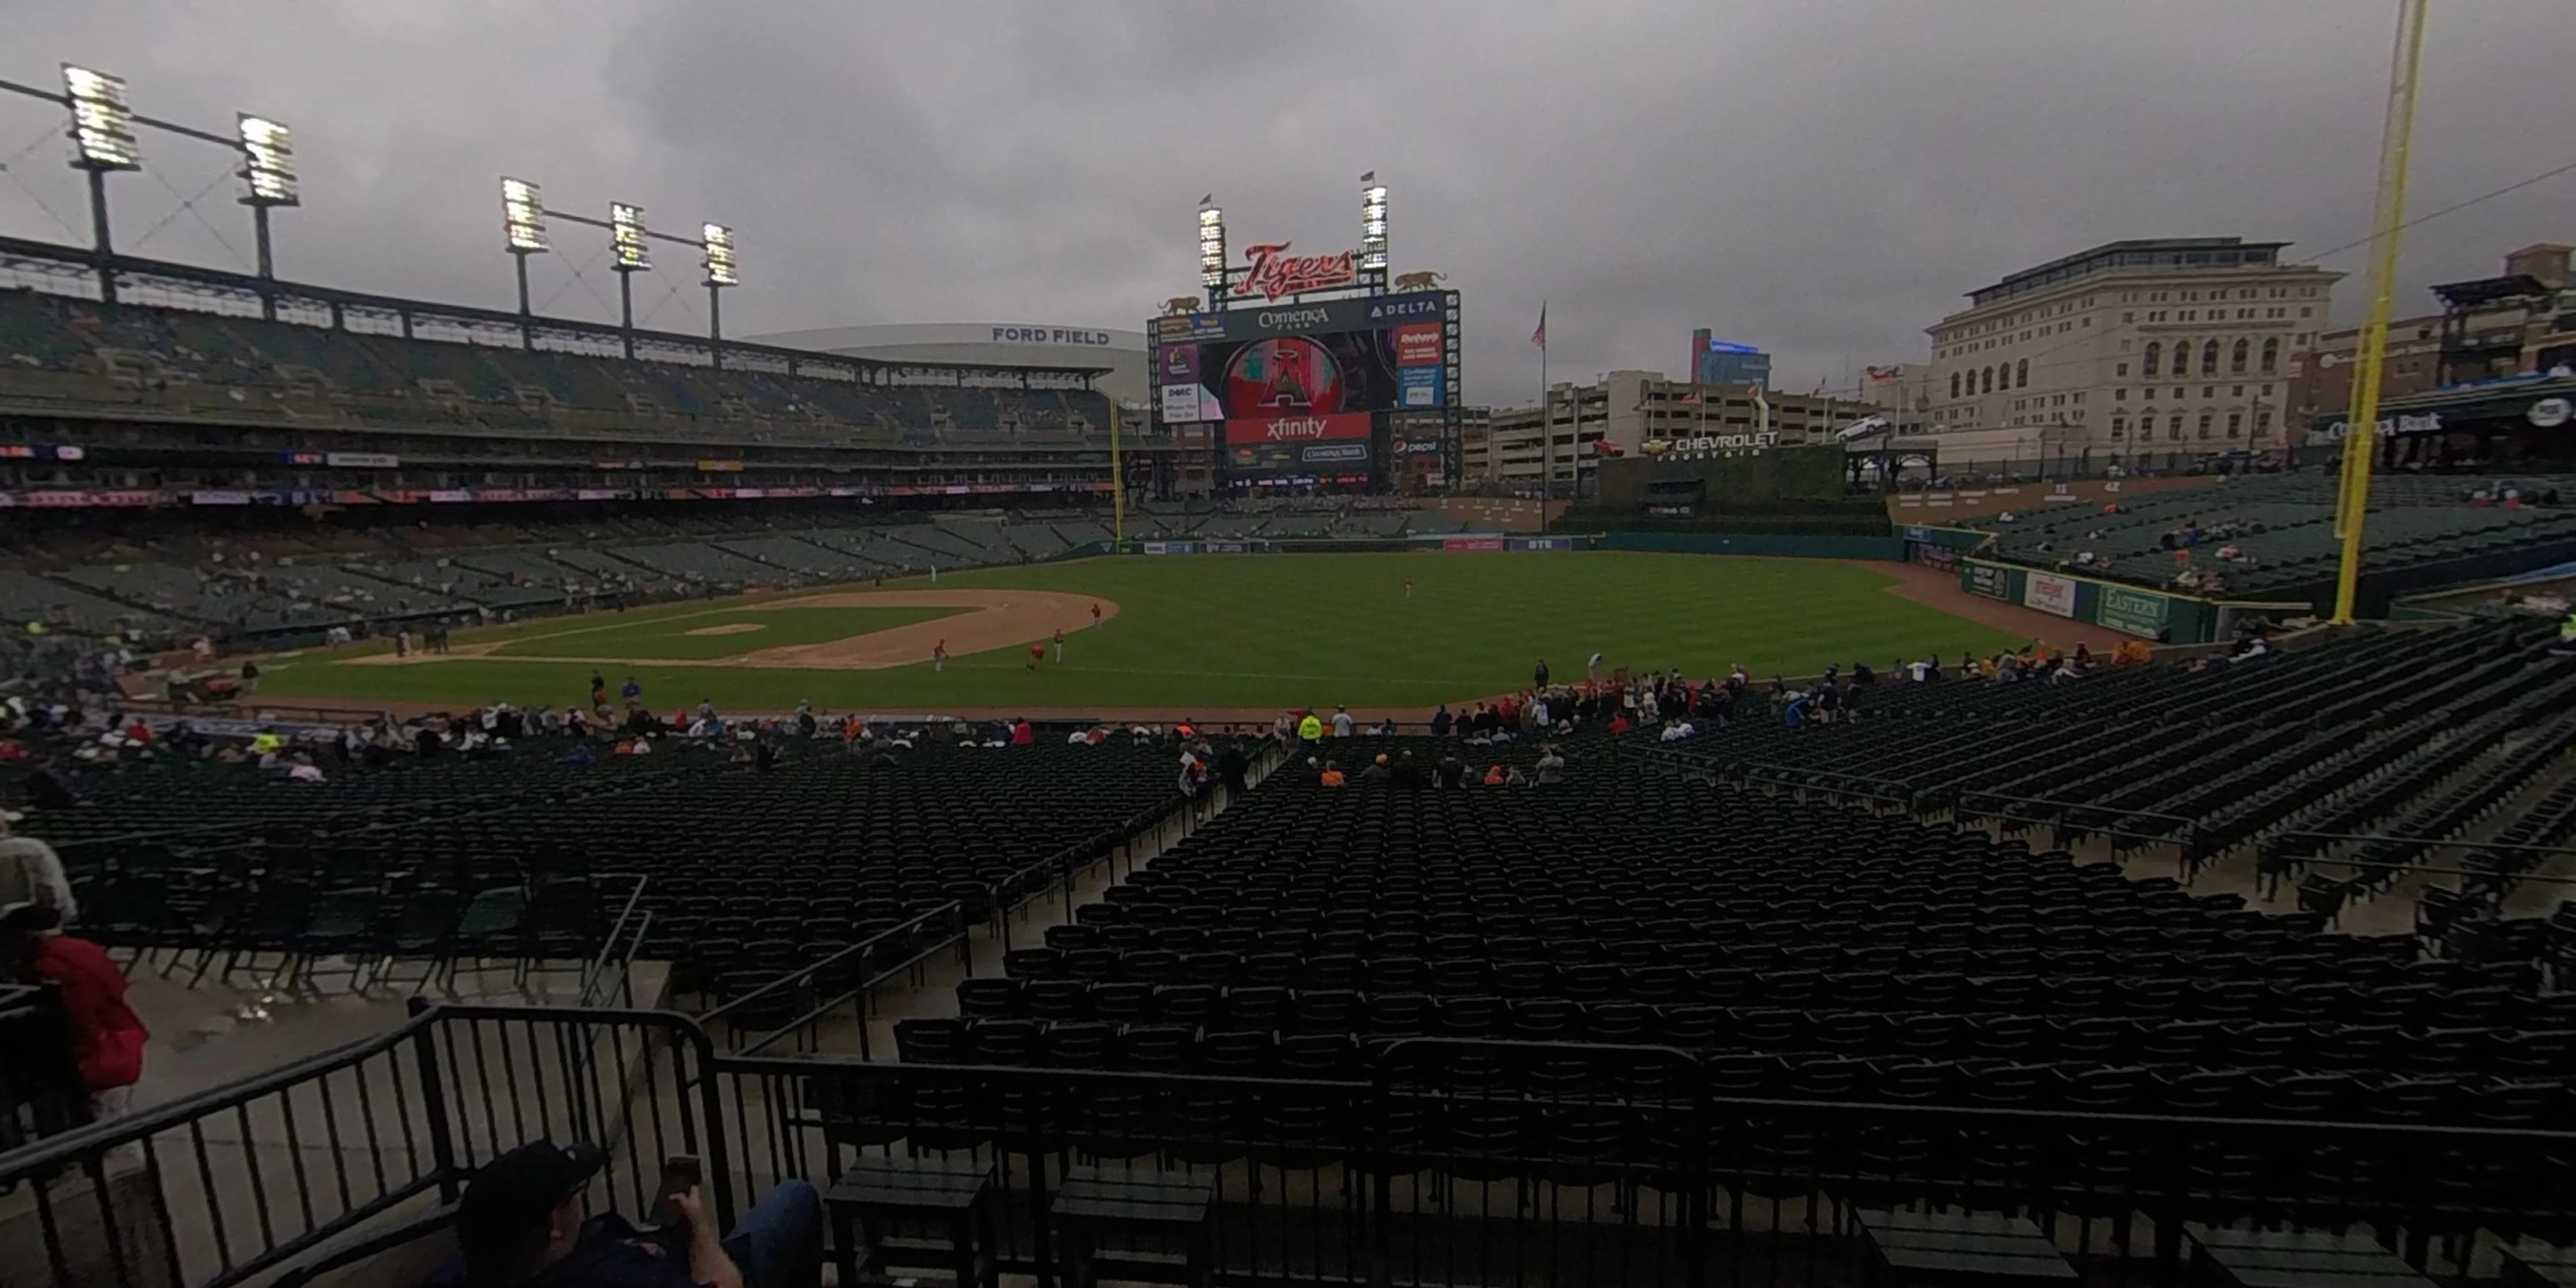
pixel 1824 179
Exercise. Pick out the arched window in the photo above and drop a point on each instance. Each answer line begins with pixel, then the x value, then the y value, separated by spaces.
pixel 2237 355
pixel 2208 358
pixel 1954 384
pixel 2155 356
pixel 2271 354
pixel 1986 381
pixel 2021 374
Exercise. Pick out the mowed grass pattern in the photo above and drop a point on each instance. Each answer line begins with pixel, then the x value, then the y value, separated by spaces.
pixel 669 636
pixel 1272 631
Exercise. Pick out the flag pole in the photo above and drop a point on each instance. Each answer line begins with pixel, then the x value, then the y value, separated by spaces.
pixel 1546 424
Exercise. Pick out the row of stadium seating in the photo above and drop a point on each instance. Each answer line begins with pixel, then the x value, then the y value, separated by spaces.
pixel 187 584
pixel 811 857
pixel 80 350
pixel 2272 535
pixel 1808 950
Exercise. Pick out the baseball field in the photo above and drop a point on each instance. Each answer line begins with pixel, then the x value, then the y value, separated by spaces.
pixel 1211 634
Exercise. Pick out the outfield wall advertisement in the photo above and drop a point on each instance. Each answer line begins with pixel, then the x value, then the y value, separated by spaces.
pixel 2147 614
pixel 2049 594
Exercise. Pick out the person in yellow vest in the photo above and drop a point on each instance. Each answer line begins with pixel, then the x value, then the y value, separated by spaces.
pixel 266 744
pixel 1310 730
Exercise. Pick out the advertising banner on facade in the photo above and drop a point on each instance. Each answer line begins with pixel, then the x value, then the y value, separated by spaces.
pixel 1295 429
pixel 1369 313
pixel 1471 543
pixel 2135 611
pixel 1538 543
pixel 1419 386
pixel 1417 344
pixel 2049 594
pixel 1990 581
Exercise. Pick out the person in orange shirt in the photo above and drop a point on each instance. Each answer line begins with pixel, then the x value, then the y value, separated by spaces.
pixel 1494 776
pixel 1333 775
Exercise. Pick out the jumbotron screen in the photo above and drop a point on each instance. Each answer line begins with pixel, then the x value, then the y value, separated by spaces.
pixel 1293 375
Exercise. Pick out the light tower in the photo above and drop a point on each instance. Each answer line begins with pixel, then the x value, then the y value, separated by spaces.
pixel 717 241
pixel 627 254
pixel 268 170
pixel 1212 251
pixel 1373 232
pixel 102 142
pixel 523 222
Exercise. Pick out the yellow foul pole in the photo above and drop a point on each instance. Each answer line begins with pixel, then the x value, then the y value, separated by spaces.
pixel 2361 439
pixel 1117 482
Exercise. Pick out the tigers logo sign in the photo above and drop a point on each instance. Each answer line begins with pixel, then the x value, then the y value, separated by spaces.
pixel 1274 272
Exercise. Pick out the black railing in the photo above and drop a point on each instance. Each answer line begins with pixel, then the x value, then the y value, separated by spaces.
pixel 787 1004
pixel 40 1089
pixel 1451 1162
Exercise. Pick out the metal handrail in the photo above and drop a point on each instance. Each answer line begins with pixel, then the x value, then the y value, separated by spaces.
pixel 807 972
pixel 593 974
pixel 865 991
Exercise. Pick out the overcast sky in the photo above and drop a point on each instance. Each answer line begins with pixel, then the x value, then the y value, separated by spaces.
pixel 1823 178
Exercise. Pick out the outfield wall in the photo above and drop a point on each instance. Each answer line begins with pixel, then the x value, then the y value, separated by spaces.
pixel 2130 610
pixel 1891 549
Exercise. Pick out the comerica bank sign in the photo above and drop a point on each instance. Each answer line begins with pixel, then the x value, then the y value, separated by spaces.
pixel 1050 335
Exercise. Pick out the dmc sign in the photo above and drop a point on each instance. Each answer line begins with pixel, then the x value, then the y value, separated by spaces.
pixel 1049 335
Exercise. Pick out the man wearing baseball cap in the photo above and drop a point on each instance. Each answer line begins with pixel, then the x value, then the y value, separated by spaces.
pixel 520 1226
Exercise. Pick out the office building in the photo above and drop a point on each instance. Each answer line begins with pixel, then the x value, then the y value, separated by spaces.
pixel 1622 411
pixel 1726 362
pixel 2143 351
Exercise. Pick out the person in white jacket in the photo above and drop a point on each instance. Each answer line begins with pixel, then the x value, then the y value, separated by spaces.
pixel 31 873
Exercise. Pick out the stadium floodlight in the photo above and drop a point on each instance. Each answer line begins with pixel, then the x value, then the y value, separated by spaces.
pixel 1373 228
pixel 268 161
pixel 523 216
pixel 626 249
pixel 102 121
pixel 719 243
pixel 1212 248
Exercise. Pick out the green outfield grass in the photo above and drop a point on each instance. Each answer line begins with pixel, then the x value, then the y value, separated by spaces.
pixel 1215 631
pixel 668 635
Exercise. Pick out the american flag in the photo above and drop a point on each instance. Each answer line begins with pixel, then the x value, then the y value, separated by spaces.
pixel 1370 177
pixel 1539 336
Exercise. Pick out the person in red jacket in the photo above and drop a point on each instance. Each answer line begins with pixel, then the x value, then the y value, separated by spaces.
pixel 107 1037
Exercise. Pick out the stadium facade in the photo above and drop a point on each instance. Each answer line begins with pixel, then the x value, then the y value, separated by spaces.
pixel 999 344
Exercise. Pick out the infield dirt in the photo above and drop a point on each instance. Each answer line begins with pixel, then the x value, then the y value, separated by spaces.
pixel 995 619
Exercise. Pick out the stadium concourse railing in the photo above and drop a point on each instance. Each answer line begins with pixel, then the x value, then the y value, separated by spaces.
pixel 1448 1162
pixel 40 1089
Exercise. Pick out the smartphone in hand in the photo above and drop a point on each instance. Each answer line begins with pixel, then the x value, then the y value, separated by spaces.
pixel 680 1174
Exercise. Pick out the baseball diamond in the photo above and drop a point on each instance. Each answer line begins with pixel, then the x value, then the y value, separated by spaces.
pixel 1215 632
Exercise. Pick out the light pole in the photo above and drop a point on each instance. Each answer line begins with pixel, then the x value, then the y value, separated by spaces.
pixel 523 222
pixel 268 167
pixel 717 242
pixel 102 142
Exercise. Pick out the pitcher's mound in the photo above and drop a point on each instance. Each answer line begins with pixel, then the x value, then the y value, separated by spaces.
pixel 729 628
